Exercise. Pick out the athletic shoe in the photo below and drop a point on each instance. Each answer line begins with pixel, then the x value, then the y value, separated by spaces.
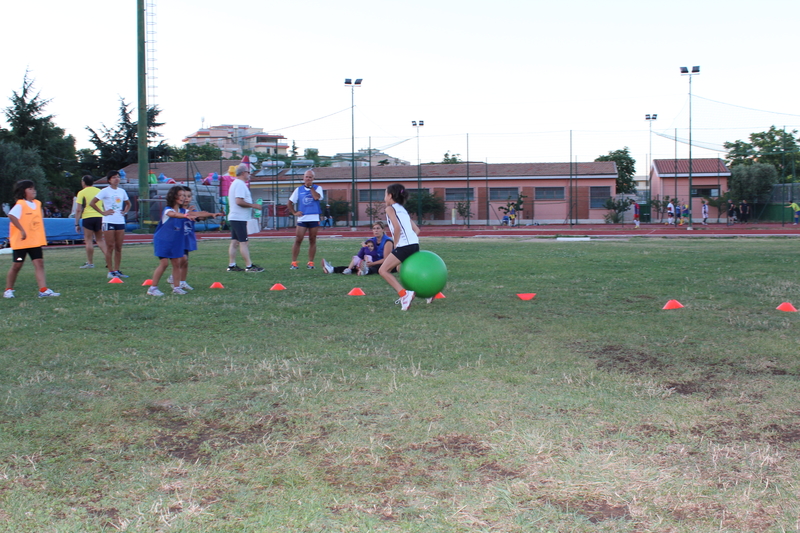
pixel 254 268
pixel 310 265
pixel 9 293
pixel 48 293
pixel 178 290
pixel 121 275
pixel 235 268
pixel 86 265
pixel 185 286
pixel 405 301
pixel 327 267
pixel 294 266
pixel 153 291
pixel 347 271
pixel 363 269
pixel 429 300
pixel 112 274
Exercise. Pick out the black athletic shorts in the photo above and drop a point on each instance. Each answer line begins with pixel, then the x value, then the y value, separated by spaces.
pixel 404 252
pixel 238 230
pixel 92 224
pixel 33 253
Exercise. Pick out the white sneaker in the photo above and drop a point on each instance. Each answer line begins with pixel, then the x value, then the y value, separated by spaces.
pixel 178 290
pixel 86 265
pixel 9 293
pixel 429 300
pixel 405 301
pixel 153 291
pixel 48 293
pixel 363 269
pixel 347 271
pixel 112 274
pixel 327 267
pixel 185 286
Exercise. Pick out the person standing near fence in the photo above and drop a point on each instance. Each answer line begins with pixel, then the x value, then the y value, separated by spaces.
pixel 304 203
pixel 744 211
pixel 704 212
pixel 796 210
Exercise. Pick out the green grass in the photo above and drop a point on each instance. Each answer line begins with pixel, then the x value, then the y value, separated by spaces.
pixel 588 408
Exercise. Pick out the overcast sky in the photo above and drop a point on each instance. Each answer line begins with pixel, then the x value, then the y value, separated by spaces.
pixel 502 81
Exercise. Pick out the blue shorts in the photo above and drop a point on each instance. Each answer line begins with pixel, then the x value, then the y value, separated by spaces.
pixel 314 224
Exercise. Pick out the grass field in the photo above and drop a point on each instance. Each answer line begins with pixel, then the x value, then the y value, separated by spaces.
pixel 586 409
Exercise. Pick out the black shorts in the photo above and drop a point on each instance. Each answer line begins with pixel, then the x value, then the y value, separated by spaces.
pixel 238 230
pixel 113 227
pixel 404 252
pixel 94 224
pixel 33 253
pixel 314 224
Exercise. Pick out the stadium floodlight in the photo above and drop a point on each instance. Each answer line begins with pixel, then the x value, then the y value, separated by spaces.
pixel 348 82
pixel 650 119
pixel 685 72
pixel 418 124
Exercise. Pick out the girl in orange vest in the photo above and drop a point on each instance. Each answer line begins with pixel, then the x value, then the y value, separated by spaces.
pixel 27 237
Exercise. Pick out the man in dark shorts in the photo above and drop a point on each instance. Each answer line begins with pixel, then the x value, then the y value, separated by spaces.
pixel 304 203
pixel 241 205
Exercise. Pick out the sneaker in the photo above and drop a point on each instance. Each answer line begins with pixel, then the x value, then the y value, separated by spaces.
pixel 310 265
pixel 48 293
pixel 294 266
pixel 235 268
pixel 9 293
pixel 178 290
pixel 121 275
pixel 327 267
pixel 405 301
pixel 429 300
pixel 86 265
pixel 363 269
pixel 347 271
pixel 153 291
pixel 254 268
pixel 112 274
pixel 185 286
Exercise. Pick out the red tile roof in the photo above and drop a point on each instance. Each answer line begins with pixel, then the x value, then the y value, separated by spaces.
pixel 666 167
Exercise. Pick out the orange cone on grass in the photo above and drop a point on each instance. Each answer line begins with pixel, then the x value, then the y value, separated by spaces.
pixel 277 287
pixel 439 296
pixel 217 285
pixel 147 283
pixel 356 292
pixel 115 280
pixel 786 306
pixel 526 295
pixel 673 304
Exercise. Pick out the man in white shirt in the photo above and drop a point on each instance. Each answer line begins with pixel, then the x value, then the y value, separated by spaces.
pixel 241 204
pixel 305 204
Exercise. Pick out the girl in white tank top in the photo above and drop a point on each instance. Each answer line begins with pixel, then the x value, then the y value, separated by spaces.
pixel 404 231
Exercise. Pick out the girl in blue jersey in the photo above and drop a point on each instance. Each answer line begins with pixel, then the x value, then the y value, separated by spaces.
pixel 404 231
pixel 169 240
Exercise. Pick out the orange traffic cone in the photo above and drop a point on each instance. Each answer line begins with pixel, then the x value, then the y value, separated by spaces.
pixel 278 287
pixel 786 306
pixel 673 304
pixel 115 280
pixel 526 295
pixel 147 283
pixel 356 292
pixel 439 296
pixel 217 285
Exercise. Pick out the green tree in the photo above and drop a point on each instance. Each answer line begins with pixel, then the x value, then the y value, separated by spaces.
pixel 18 163
pixel 616 208
pixel 752 182
pixel 464 209
pixel 340 210
pixel 626 169
pixel 451 159
pixel 773 147
pixel 31 129
pixel 431 204
pixel 118 147
pixel 196 152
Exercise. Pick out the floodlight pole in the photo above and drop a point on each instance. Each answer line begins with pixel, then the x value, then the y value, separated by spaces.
pixel 143 160
pixel 685 72
pixel 350 83
pixel 650 119
pixel 418 124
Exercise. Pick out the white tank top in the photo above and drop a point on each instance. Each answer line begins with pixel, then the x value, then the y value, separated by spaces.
pixel 405 234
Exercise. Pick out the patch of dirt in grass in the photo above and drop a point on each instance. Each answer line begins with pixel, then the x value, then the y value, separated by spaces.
pixel 109 515
pixel 620 359
pixel 780 433
pixel 453 445
pixel 594 510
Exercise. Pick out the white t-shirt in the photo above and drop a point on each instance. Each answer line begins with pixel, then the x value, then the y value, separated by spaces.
pixel 296 195
pixel 239 189
pixel 113 199
pixel 16 211
pixel 404 235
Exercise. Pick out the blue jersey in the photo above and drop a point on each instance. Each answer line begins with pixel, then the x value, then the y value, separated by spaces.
pixel 189 236
pixel 377 255
pixel 306 202
pixel 168 240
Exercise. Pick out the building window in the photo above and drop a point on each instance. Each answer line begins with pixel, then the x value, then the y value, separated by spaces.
pixel 504 193
pixel 549 193
pixel 414 191
pixel 598 197
pixel 705 193
pixel 377 195
pixel 458 194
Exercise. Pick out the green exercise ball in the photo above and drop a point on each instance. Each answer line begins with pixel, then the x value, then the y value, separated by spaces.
pixel 424 273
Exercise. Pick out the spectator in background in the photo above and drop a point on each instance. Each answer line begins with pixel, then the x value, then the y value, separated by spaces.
pixel 91 219
pixel 744 211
